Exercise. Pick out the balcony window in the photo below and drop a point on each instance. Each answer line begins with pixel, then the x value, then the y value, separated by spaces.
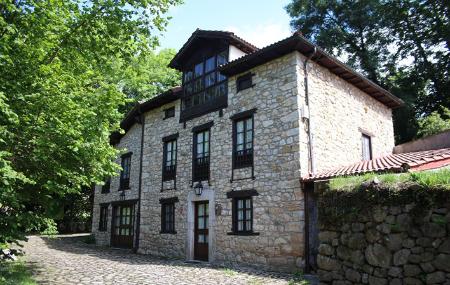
pixel 170 160
pixel 243 143
pixel 201 155
pixel 204 88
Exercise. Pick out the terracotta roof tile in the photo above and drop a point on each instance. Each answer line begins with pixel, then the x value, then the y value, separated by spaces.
pixel 392 162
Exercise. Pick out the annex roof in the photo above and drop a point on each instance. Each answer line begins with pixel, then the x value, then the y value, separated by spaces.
pixel 400 162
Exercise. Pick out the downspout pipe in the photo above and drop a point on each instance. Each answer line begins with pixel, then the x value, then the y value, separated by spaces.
pixel 141 120
pixel 311 163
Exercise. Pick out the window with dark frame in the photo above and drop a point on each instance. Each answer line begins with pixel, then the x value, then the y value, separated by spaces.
pixel 201 155
pixel 203 82
pixel 243 143
pixel 125 173
pixel 366 147
pixel 107 186
pixel 170 160
pixel 244 82
pixel 243 215
pixel 168 217
pixel 103 224
pixel 169 113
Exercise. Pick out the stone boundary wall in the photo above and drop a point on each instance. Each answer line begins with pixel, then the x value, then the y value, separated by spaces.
pixel 386 244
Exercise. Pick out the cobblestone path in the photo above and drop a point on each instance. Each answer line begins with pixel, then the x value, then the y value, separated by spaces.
pixel 67 260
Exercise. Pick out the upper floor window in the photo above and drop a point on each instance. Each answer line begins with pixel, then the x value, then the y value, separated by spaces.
pixel 170 159
pixel 125 173
pixel 244 82
pixel 366 147
pixel 201 155
pixel 243 142
pixel 169 113
pixel 203 83
pixel 107 186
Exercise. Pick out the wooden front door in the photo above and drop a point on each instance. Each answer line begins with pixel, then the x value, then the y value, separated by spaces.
pixel 201 235
pixel 122 226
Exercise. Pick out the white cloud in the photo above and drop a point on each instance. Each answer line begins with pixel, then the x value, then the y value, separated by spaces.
pixel 261 35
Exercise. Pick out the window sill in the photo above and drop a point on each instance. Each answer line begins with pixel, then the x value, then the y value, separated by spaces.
pixel 243 166
pixel 105 192
pixel 168 232
pixel 124 189
pixel 249 87
pixel 243 234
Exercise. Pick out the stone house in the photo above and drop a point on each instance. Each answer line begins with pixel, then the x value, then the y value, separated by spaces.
pixel 212 169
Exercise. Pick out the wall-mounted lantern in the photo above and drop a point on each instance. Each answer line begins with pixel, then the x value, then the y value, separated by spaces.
pixel 198 188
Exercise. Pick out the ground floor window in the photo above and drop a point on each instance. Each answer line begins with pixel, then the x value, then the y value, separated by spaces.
pixel 243 208
pixel 168 215
pixel 103 224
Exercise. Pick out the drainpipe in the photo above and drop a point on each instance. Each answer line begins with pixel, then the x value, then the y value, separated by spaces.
pixel 141 120
pixel 311 164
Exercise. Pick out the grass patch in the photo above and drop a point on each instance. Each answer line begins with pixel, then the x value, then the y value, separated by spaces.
pixel 15 273
pixel 439 178
pixel 298 279
pixel 229 272
pixel 254 281
pixel 430 179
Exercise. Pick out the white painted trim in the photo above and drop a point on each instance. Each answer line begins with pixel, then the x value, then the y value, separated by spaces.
pixel 207 195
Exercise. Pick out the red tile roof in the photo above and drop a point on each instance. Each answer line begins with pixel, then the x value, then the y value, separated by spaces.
pixel 412 161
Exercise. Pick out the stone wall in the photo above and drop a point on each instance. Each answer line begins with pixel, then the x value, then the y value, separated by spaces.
pixel 130 142
pixel 279 160
pixel 278 209
pixel 387 245
pixel 340 112
pixel 437 141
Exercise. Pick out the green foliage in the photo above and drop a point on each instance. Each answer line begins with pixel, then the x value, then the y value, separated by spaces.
pixel 49 227
pixel 348 197
pixel 435 179
pixel 15 273
pixel 378 38
pixel 150 75
pixel 229 272
pixel 298 279
pixel 61 68
pixel 434 123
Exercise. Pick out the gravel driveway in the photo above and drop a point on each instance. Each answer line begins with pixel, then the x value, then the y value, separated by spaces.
pixel 67 260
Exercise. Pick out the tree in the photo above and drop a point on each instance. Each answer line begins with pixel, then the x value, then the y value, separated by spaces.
pixel 434 123
pixel 61 89
pixel 401 45
pixel 149 75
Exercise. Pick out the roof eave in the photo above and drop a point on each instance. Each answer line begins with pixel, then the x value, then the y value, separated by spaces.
pixel 244 45
pixel 139 108
pixel 297 42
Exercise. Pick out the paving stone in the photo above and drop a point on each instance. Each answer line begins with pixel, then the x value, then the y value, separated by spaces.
pixel 65 260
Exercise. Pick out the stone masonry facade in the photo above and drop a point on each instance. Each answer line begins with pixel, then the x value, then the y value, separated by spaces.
pixel 339 111
pixel 387 244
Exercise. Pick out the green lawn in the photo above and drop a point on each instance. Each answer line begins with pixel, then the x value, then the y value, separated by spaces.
pixel 15 273
pixel 432 179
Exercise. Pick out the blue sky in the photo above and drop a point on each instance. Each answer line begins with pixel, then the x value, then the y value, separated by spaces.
pixel 259 22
